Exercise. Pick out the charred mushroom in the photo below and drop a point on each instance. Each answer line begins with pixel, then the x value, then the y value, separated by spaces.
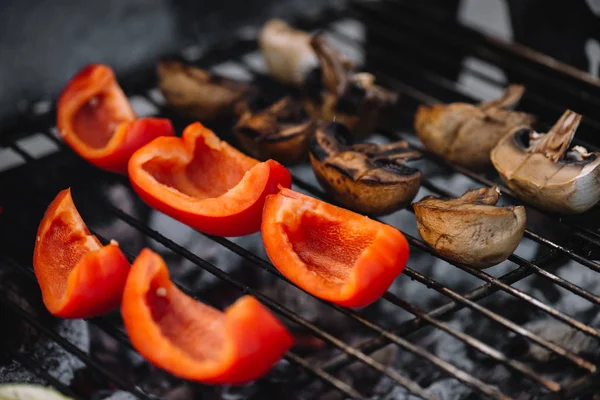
pixel 540 170
pixel 279 131
pixel 471 229
pixel 287 52
pixel 368 178
pixel 342 95
pixel 197 93
pixel 465 134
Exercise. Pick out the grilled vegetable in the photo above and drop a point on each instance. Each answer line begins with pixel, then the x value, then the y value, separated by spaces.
pixel 96 120
pixel 367 178
pixel 464 134
pixel 25 391
pixel 332 253
pixel 287 52
pixel 192 340
pixel 542 170
pixel 197 93
pixel 205 183
pixel 279 131
pixel 79 277
pixel 471 229
pixel 345 96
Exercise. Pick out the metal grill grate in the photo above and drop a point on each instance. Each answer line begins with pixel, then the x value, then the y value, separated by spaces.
pixel 426 41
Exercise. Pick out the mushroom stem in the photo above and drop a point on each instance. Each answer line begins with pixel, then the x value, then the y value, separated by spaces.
pixel 509 99
pixel 488 196
pixel 334 69
pixel 555 143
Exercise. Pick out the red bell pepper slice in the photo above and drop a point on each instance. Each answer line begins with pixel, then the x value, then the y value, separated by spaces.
pixel 96 120
pixel 330 252
pixel 78 276
pixel 204 182
pixel 192 340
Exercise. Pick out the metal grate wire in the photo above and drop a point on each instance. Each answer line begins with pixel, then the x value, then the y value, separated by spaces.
pixel 456 301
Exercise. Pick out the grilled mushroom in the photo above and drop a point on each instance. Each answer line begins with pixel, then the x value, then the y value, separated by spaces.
pixel 471 229
pixel 197 93
pixel 368 178
pixel 279 131
pixel 345 96
pixel 540 170
pixel 287 52
pixel 465 134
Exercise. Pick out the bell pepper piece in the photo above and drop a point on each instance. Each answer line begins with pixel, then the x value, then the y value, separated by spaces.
pixel 96 120
pixel 192 340
pixel 330 252
pixel 79 277
pixel 204 182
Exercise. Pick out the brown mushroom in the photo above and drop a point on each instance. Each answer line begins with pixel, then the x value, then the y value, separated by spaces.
pixel 279 131
pixel 471 229
pixel 197 93
pixel 342 95
pixel 539 169
pixel 287 52
pixel 368 178
pixel 464 134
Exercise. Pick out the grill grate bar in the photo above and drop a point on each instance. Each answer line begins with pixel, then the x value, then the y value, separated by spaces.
pixel 34 366
pixel 292 316
pixel 70 347
pixel 475 343
pixel 121 336
pixel 575 359
pixel 420 97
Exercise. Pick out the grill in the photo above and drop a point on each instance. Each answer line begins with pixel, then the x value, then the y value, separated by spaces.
pixel 415 52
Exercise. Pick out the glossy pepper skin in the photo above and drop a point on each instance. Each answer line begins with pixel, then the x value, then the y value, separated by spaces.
pixel 192 340
pixel 330 252
pixel 79 277
pixel 204 182
pixel 96 120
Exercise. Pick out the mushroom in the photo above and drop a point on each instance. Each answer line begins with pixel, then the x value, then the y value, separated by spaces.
pixel 471 229
pixel 197 93
pixel 279 131
pixel 464 134
pixel 538 168
pixel 287 52
pixel 345 96
pixel 368 178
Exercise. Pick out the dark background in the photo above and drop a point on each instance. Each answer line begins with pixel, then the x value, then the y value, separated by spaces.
pixel 43 43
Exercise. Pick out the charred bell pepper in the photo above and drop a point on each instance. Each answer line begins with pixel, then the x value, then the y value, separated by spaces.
pixel 192 340
pixel 330 252
pixel 79 277
pixel 96 120
pixel 204 182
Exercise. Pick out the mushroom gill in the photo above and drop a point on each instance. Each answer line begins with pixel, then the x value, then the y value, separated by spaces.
pixel 368 178
pixel 541 170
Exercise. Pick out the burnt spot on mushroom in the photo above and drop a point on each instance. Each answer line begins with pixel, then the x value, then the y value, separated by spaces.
pixel 199 94
pixel 340 94
pixel 542 170
pixel 369 178
pixel 471 229
pixel 279 131
pixel 464 134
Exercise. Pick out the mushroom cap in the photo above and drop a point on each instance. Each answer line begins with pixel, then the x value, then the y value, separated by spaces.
pixel 566 186
pixel 367 178
pixel 464 134
pixel 471 229
pixel 279 131
pixel 287 52
pixel 197 93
